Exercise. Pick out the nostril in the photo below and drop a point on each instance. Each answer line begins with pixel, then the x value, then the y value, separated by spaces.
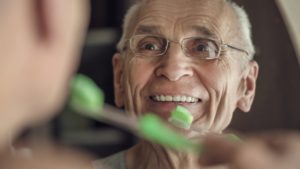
pixel 174 72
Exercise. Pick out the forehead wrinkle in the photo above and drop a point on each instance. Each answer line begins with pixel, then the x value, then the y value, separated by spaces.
pixel 150 22
pixel 210 26
pixel 148 29
pixel 204 31
pixel 201 25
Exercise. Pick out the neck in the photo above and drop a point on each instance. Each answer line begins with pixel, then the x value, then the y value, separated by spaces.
pixel 148 156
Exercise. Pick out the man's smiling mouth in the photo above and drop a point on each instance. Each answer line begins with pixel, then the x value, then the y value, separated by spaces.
pixel 177 98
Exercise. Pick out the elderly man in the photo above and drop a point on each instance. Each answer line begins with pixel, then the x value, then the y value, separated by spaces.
pixel 193 53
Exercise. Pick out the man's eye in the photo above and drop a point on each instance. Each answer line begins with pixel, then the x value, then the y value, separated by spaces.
pixel 202 48
pixel 149 46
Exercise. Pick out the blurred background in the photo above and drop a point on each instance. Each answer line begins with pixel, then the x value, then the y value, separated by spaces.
pixel 276 106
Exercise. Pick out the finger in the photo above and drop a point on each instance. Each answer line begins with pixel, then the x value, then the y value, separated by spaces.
pixel 62 18
pixel 217 150
pixel 254 154
pixel 63 28
pixel 47 157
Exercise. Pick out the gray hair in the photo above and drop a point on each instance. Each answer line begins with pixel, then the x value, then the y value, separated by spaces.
pixel 245 27
pixel 131 13
pixel 244 22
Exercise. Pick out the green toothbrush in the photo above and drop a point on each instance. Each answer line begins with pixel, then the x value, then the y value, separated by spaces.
pixel 153 128
pixel 86 95
pixel 182 118
pixel 87 99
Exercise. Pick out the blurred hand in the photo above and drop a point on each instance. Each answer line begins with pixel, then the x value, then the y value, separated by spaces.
pixel 40 47
pixel 266 151
pixel 46 157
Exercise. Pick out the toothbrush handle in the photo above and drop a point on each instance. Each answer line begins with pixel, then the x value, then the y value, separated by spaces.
pixel 115 116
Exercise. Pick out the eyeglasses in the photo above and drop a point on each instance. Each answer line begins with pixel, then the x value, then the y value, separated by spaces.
pixel 202 48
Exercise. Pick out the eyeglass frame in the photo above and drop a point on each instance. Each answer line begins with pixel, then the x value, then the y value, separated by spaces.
pixel 220 45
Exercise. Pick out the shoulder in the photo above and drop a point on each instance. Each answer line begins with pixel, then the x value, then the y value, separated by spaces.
pixel 115 161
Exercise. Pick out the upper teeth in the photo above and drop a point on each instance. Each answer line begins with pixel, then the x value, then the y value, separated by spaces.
pixel 167 98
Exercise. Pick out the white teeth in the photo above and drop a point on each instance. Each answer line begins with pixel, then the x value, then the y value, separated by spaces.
pixel 156 98
pixel 183 98
pixel 169 98
pixel 177 98
pixel 193 99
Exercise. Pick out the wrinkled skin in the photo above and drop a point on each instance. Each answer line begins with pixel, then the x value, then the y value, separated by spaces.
pixel 221 85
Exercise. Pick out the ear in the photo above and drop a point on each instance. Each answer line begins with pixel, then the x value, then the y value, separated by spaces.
pixel 248 87
pixel 117 62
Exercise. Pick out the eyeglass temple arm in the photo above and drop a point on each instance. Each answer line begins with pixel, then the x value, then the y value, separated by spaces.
pixel 232 47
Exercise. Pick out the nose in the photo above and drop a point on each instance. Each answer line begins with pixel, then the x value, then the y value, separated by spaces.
pixel 174 65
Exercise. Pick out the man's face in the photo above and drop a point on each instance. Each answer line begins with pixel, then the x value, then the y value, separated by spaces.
pixel 209 89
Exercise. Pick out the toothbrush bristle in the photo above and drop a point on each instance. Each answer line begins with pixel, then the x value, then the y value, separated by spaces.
pixel 181 117
pixel 86 95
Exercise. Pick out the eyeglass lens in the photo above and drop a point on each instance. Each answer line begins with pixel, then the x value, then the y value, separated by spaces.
pixel 194 47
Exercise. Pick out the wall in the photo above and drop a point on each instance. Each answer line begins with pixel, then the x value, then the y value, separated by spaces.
pixel 277 103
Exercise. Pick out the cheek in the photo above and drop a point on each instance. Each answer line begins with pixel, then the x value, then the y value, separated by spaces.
pixel 221 82
pixel 219 76
pixel 140 73
pixel 212 76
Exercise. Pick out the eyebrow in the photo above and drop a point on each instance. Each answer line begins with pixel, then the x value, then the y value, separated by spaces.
pixel 148 29
pixel 204 31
